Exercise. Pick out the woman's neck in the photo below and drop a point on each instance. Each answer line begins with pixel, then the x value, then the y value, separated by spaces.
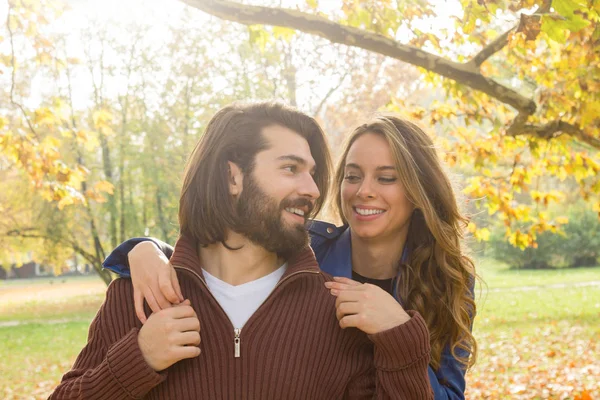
pixel 377 259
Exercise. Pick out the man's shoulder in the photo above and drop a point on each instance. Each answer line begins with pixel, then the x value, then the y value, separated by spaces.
pixel 118 310
pixel 119 287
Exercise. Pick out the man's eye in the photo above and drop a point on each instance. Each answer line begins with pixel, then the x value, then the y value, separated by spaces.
pixel 351 178
pixel 291 168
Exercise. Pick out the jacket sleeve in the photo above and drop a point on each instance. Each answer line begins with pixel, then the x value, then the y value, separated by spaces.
pixel 109 367
pixel 401 361
pixel 448 382
pixel 117 260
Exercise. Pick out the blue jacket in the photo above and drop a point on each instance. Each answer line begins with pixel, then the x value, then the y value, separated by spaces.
pixel 333 251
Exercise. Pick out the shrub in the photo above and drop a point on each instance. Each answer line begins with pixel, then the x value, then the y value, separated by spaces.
pixel 578 246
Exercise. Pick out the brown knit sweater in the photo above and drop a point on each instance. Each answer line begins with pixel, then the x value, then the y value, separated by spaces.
pixel 291 348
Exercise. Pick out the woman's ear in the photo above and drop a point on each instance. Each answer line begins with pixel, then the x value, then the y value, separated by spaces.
pixel 236 178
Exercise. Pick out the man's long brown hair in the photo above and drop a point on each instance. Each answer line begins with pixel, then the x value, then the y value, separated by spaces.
pixel 438 278
pixel 234 134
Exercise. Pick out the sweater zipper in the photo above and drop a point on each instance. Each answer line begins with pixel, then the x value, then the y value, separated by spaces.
pixel 237 341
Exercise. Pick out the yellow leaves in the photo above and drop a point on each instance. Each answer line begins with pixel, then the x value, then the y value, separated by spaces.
pixel 44 116
pixel 521 240
pixel 596 208
pixel 312 4
pixel 3 122
pixel 102 120
pixel 481 235
pixel 441 111
pixel 258 36
pixel 104 186
pixel 96 192
pixel 546 198
pixel 590 112
pixel 283 33
pixel 83 137
pixel 561 220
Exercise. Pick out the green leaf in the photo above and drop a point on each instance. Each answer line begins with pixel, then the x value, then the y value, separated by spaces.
pixel 554 29
pixel 566 8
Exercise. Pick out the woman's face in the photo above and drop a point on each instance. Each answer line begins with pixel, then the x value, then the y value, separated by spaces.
pixel 373 200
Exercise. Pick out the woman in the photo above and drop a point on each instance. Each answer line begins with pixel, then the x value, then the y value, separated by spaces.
pixel 399 248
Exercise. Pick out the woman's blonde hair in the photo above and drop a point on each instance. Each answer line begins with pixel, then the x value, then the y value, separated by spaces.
pixel 437 279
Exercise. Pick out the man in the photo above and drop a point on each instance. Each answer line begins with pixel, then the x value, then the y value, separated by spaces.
pixel 269 329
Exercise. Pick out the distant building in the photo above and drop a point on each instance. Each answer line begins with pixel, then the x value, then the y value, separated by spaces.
pixel 31 270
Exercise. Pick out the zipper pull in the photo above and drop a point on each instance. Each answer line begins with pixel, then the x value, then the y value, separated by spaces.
pixel 236 342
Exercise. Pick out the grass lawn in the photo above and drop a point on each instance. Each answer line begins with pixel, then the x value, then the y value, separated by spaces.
pixel 533 344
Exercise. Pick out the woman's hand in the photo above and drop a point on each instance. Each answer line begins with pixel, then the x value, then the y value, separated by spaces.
pixel 365 306
pixel 153 279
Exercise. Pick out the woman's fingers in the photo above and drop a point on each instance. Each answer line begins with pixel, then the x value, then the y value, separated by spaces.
pixel 346 281
pixel 337 287
pixel 348 296
pixel 350 321
pixel 347 308
pixel 160 297
pixel 176 283
pixel 165 284
pixel 138 300
pixel 152 303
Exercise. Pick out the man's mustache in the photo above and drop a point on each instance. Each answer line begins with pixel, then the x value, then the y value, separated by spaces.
pixel 298 203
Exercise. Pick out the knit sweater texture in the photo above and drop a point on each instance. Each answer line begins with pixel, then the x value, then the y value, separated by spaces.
pixel 291 348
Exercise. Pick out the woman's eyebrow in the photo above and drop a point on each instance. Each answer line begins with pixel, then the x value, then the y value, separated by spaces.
pixel 380 168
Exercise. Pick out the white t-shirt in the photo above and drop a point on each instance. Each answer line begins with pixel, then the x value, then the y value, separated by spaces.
pixel 241 301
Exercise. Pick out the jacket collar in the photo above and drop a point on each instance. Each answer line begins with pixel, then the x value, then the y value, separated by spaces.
pixel 185 255
pixel 338 260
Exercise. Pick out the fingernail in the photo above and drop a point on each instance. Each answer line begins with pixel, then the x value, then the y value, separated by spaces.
pixel 334 292
pixel 328 284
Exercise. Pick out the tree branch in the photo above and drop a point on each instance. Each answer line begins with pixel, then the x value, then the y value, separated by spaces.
pixel 551 130
pixel 330 92
pixel 495 46
pixel 95 261
pixel 465 74
pixel 501 41
pixel 14 68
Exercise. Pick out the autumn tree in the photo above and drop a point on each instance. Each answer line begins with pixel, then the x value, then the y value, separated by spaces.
pixel 521 80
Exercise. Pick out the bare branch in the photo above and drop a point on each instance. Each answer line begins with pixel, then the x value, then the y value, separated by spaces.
pixel 495 46
pixel 465 74
pixel 330 92
pixel 14 68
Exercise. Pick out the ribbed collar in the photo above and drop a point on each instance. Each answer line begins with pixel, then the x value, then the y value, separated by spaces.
pixel 185 255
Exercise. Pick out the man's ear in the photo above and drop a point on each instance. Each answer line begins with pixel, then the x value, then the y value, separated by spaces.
pixel 236 178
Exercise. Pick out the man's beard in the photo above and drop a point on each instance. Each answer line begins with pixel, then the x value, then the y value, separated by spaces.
pixel 260 220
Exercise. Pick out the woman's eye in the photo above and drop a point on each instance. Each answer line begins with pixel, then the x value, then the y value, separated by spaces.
pixel 387 179
pixel 290 168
